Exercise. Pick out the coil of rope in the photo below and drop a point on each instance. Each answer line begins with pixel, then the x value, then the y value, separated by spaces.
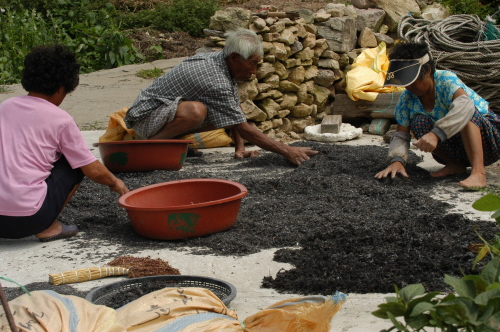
pixel 458 44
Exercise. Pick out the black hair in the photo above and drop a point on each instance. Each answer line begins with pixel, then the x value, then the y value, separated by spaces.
pixel 411 50
pixel 48 67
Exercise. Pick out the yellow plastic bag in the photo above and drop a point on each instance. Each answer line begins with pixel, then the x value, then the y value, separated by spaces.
pixel 366 78
pixel 199 310
pixel 209 139
pixel 117 129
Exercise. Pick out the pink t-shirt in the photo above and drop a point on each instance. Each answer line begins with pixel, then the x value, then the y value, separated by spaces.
pixel 33 135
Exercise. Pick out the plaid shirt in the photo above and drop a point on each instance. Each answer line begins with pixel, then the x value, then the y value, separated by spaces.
pixel 204 77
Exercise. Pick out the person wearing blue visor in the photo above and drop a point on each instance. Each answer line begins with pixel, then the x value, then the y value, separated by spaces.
pixel 447 118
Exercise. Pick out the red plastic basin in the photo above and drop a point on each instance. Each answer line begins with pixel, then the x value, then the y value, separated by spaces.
pixel 143 155
pixel 183 209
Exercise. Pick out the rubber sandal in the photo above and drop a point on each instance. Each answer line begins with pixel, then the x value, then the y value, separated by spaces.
pixel 192 152
pixel 67 231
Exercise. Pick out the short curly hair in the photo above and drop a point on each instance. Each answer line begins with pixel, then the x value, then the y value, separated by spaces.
pixel 48 67
pixel 412 50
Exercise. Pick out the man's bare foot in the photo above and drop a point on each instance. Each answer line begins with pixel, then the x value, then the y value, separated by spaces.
pixel 450 169
pixel 475 180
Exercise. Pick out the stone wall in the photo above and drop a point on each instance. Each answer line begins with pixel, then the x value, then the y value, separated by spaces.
pixel 306 56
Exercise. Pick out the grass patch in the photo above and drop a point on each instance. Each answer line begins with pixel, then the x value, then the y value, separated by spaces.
pixel 150 73
pixel 4 89
pixel 96 125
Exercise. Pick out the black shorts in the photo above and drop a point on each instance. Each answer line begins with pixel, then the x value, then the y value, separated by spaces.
pixel 60 183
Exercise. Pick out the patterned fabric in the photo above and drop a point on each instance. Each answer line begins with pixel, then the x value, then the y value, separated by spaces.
pixel 157 119
pixel 453 147
pixel 204 77
pixel 446 84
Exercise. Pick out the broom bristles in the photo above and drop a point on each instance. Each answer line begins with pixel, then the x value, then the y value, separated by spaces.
pixel 86 274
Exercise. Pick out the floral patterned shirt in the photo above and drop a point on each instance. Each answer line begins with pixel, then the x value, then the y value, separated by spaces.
pixel 446 84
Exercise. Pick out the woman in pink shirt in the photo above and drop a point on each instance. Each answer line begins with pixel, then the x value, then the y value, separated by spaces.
pixel 43 155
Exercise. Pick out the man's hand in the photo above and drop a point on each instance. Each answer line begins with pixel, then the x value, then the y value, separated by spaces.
pixel 427 143
pixel 119 187
pixel 393 169
pixel 298 155
pixel 246 154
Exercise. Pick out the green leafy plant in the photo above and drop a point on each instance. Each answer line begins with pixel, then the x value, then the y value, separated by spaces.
pixel 489 203
pixel 471 7
pixel 191 16
pixel 150 73
pixel 474 306
pixel 89 30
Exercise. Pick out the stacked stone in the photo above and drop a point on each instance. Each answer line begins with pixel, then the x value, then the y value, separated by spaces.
pixel 293 83
pixel 306 58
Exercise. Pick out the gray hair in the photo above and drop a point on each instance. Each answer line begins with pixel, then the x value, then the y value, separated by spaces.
pixel 244 42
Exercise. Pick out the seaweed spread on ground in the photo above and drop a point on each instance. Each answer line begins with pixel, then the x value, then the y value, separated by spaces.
pixel 339 227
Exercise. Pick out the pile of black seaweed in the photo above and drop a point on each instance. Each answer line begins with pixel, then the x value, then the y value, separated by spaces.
pixel 339 227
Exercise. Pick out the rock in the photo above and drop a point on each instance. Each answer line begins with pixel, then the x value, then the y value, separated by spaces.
pixel 361 4
pixel 298 124
pixel 328 63
pixel 283 113
pixel 280 70
pixel 395 9
pixel 287 37
pixel 306 54
pixel 371 18
pixel 339 32
pixel 335 9
pixel 296 47
pixel 218 33
pixel 435 12
pixel 247 90
pixel 321 16
pixel 306 14
pixel 252 112
pixel 259 23
pixel 320 94
pixel 289 101
pixel 278 26
pixel 280 51
pixel 384 38
pixel 265 126
pixel 379 126
pixel 329 54
pixel 301 110
pixel 325 77
pixel 273 80
pixel 287 86
pixel 297 75
pixel 367 38
pixel 265 69
pixel 271 107
pixel 311 72
pixel 230 19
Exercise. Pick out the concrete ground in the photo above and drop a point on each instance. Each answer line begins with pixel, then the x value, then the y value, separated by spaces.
pixel 100 94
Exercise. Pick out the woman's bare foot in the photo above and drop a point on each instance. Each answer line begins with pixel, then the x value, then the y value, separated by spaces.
pixel 53 229
pixel 450 169
pixel 475 180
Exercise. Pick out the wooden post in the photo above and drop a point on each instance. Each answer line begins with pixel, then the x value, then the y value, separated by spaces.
pixel 380 108
pixel 331 124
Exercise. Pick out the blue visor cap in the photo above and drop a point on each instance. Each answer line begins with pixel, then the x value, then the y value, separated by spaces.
pixel 403 72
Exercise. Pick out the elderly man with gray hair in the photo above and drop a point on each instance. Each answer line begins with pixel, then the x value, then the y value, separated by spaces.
pixel 201 94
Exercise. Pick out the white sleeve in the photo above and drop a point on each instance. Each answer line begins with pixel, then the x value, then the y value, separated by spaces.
pixel 399 147
pixel 461 111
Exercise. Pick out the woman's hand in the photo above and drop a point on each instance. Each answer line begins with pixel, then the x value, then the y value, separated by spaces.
pixel 427 143
pixel 393 169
